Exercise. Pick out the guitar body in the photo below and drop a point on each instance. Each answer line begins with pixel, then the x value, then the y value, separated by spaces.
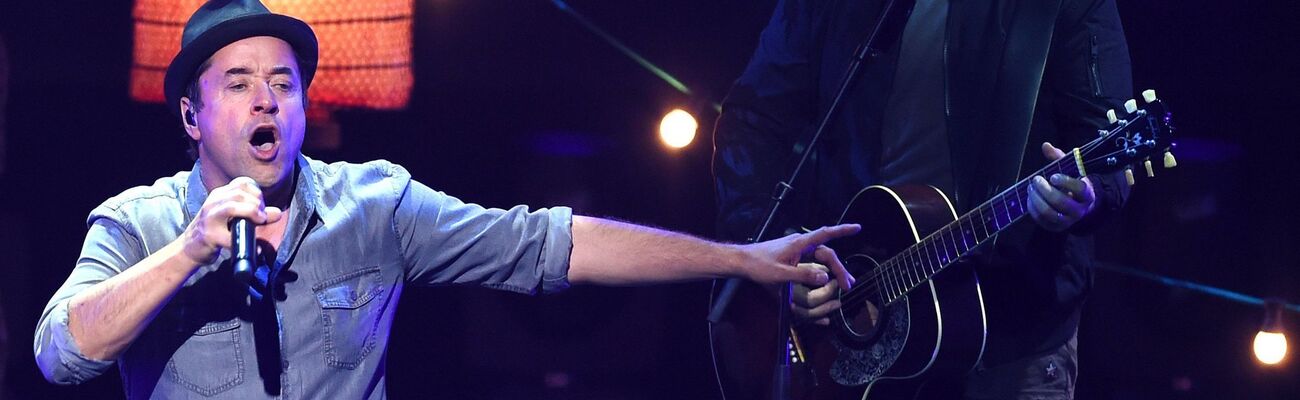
pixel 938 329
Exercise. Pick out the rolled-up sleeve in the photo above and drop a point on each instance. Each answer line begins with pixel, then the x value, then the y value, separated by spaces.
pixel 447 241
pixel 107 251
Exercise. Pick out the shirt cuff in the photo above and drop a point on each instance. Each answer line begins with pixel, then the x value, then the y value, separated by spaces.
pixel 556 250
pixel 64 362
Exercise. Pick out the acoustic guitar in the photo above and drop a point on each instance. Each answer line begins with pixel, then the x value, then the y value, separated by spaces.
pixel 915 312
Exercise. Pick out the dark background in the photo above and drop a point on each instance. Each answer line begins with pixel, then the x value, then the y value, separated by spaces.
pixel 495 78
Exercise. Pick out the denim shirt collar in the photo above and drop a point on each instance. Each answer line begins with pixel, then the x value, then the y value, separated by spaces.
pixel 305 197
pixel 302 209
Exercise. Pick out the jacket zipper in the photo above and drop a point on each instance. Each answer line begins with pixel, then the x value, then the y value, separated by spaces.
pixel 947 95
pixel 1094 69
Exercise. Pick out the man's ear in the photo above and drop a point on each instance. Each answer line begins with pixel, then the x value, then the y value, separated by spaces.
pixel 188 119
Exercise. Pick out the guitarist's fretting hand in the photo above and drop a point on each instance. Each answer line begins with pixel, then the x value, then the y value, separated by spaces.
pixel 1058 205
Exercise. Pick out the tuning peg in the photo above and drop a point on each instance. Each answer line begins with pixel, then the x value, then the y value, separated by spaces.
pixel 1149 95
pixel 1130 106
pixel 1128 176
pixel 1110 116
pixel 1151 173
pixel 1170 162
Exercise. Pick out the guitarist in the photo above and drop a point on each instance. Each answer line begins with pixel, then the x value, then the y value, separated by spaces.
pixel 973 94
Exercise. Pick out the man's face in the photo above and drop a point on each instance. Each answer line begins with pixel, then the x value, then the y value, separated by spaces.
pixel 252 120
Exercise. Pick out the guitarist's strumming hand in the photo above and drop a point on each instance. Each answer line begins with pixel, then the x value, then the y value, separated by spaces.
pixel 816 303
pixel 1058 204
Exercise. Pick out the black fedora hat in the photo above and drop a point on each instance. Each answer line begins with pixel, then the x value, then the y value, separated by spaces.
pixel 221 22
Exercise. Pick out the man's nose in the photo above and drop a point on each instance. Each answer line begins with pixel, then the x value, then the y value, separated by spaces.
pixel 265 101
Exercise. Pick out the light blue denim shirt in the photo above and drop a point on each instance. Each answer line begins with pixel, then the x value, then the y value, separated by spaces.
pixel 356 235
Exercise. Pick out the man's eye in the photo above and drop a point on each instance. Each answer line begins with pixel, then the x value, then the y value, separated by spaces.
pixel 238 86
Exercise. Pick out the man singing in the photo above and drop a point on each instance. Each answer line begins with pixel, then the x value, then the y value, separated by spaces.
pixel 153 289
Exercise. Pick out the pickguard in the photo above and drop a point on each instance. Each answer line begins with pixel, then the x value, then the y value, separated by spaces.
pixel 858 366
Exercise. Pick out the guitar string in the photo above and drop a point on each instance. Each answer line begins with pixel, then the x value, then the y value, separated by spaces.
pixel 875 280
pixel 946 234
pixel 902 270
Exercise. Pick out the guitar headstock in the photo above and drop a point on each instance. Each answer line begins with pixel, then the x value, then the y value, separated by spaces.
pixel 1132 137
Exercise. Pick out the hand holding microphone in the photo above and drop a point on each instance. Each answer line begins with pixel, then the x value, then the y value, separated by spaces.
pixel 228 219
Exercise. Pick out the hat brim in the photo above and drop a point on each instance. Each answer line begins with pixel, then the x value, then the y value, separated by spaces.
pixel 297 33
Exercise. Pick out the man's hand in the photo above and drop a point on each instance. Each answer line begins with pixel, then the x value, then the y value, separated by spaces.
pixel 106 318
pixel 210 231
pixel 1058 205
pixel 777 260
pixel 816 303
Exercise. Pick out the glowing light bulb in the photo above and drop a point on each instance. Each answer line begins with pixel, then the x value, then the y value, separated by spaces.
pixel 1270 347
pixel 1270 342
pixel 677 129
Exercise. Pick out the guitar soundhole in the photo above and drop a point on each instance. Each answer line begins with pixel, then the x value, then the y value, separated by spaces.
pixel 864 322
pixel 860 318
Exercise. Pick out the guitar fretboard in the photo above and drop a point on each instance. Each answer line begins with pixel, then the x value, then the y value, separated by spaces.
pixel 1138 135
pixel 918 263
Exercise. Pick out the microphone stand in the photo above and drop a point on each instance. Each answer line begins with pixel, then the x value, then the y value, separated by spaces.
pixel 887 31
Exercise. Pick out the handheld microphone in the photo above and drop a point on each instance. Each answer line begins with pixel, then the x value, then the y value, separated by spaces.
pixel 243 245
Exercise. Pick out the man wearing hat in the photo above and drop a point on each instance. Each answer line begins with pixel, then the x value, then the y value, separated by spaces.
pixel 153 289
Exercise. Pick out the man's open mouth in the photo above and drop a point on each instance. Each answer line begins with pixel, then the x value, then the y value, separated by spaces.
pixel 264 141
pixel 263 138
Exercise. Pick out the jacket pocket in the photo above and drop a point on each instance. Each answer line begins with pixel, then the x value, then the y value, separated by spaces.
pixel 210 361
pixel 350 315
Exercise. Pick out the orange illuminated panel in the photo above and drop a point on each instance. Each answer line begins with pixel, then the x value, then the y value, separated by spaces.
pixel 365 48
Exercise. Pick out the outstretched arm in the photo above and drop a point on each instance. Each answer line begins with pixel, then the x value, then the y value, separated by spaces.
pixel 614 253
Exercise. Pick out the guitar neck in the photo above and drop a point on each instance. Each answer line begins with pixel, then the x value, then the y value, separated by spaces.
pixel 918 263
pixel 1131 137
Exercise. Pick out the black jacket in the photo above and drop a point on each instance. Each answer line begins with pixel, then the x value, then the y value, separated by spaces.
pixel 1017 73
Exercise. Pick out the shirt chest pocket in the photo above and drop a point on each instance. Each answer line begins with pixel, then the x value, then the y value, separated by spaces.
pixel 352 306
pixel 209 360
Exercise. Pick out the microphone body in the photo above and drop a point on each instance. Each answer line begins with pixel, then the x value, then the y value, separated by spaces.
pixel 243 245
